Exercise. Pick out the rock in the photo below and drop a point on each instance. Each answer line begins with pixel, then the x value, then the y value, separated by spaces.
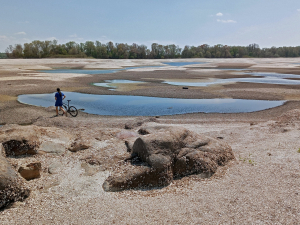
pixel 54 168
pixel 92 160
pixel 30 171
pixel 129 144
pixel 52 148
pixel 139 122
pixel 169 152
pixel 139 177
pixel 7 173
pixel 126 134
pixel 90 170
pixel 19 140
pixel 25 140
pixel 11 188
pixel 79 144
pixel 19 147
pixel 129 137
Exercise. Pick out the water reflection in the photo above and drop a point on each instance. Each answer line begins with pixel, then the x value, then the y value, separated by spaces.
pixel 265 78
pixel 122 105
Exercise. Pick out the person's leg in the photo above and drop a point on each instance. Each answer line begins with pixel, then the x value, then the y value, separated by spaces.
pixel 57 110
pixel 64 111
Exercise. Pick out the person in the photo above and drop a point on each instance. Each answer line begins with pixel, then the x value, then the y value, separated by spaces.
pixel 59 96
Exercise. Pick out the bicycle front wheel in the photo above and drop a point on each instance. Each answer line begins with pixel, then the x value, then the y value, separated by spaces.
pixel 73 111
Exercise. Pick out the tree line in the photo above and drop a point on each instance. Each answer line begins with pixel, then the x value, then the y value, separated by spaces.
pixel 46 49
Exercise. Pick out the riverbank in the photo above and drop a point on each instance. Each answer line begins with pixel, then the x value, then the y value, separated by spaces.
pixel 260 186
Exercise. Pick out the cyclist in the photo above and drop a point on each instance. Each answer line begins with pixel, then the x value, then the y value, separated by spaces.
pixel 59 96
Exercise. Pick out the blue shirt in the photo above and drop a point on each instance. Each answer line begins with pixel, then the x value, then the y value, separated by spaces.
pixel 59 99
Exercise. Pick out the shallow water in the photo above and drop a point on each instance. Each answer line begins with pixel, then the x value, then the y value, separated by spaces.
pixel 122 105
pixel 182 63
pixel 264 78
pixel 108 83
pixel 83 71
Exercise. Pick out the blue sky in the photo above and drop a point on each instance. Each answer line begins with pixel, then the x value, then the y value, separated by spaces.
pixel 181 22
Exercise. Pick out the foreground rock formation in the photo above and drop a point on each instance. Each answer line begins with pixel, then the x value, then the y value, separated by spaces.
pixel 164 153
pixel 11 188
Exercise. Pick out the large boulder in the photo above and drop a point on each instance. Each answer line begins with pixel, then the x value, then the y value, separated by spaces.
pixel 11 188
pixel 169 152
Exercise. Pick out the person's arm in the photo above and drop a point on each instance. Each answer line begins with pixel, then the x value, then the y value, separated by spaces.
pixel 64 97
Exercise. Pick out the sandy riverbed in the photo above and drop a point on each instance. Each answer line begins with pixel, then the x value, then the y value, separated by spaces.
pixel 260 187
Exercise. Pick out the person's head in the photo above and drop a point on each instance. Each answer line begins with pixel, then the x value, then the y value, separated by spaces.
pixel 58 90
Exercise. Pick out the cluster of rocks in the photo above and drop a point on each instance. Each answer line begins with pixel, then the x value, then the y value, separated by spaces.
pixel 11 186
pixel 161 154
pixel 20 141
pixel 157 155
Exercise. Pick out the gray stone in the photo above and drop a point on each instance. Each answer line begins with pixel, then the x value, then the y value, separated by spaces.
pixel 52 148
pixel 54 168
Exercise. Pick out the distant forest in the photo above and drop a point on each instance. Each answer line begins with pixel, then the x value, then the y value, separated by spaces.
pixel 3 56
pixel 51 49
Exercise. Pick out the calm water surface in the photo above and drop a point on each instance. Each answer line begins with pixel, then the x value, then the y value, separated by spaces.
pixel 122 105
pixel 264 78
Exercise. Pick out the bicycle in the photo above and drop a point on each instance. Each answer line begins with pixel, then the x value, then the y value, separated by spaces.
pixel 70 109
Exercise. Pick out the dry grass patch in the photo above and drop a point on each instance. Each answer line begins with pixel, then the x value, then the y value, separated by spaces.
pixel 6 98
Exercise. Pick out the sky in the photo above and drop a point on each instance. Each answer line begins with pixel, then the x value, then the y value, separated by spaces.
pixel 181 22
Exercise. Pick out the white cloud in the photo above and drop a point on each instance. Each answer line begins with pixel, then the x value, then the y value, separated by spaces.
pixel 226 21
pixel 219 14
pixel 104 39
pixel 21 33
pixel 2 37
pixel 73 36
pixel 298 10
pixel 51 38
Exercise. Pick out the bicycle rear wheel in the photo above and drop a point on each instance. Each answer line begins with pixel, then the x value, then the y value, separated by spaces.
pixel 60 112
pixel 73 111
